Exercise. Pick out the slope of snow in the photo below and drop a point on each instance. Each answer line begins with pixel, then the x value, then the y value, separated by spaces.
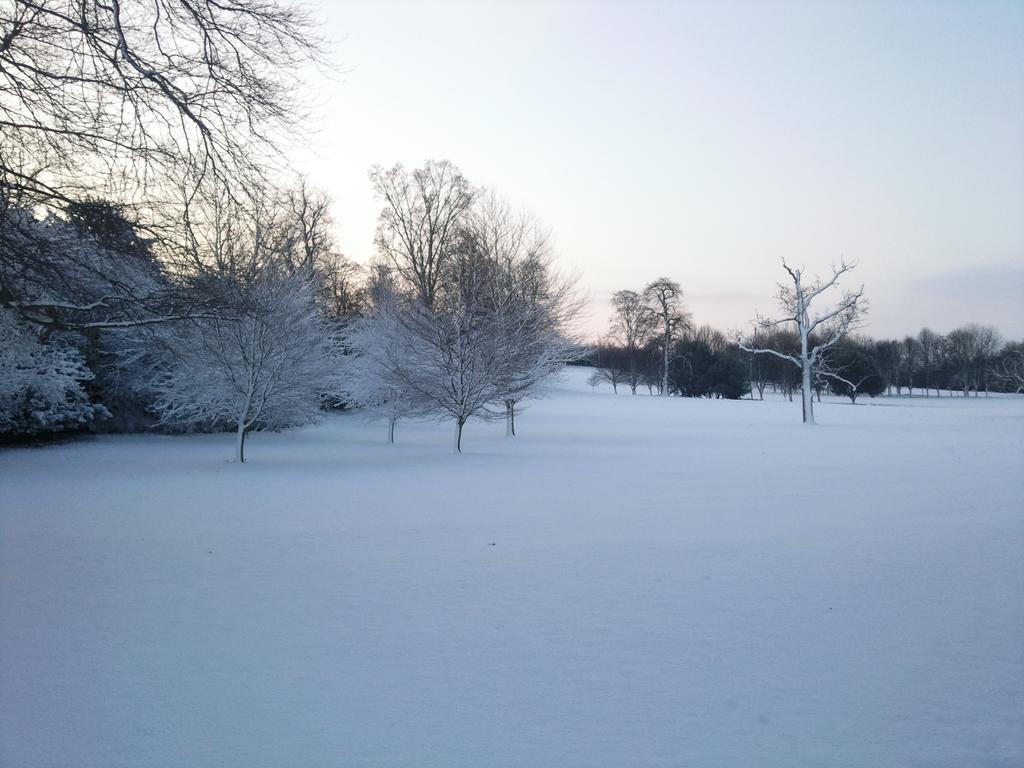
pixel 631 581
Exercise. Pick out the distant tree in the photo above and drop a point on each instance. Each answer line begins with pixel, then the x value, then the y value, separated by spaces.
pixel 425 214
pixel 928 342
pixel 664 299
pixel 610 364
pixel 988 344
pixel 911 352
pixel 962 345
pixel 833 324
pixel 1010 368
pixel 854 371
pixel 702 369
pixel 632 326
pixel 311 247
pixel 728 375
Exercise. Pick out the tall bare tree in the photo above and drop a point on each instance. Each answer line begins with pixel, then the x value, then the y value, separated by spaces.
pixel 425 213
pixel 830 324
pixel 664 299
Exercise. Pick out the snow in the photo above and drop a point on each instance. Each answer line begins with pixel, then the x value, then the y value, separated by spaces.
pixel 630 581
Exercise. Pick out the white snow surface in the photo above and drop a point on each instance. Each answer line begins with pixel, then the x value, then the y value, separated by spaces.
pixel 631 581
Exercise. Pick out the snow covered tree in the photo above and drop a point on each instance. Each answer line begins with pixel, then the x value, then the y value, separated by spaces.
pixel 1010 368
pixel 266 361
pixel 66 274
pixel 379 350
pixel 830 325
pixel 41 386
pixel 531 303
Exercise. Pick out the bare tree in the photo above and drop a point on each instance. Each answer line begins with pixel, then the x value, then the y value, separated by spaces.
pixel 831 325
pixel 313 248
pixel 990 342
pixel 532 303
pixel 265 363
pixel 1011 367
pixel 57 275
pixel 928 342
pixel 962 346
pixel 632 326
pixel 424 216
pixel 137 92
pixel 910 353
pixel 664 300
pixel 609 365
pixel 374 375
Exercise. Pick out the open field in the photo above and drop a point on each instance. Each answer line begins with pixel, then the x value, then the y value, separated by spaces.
pixel 631 581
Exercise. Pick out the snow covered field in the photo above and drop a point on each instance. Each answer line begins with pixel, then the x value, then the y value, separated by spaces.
pixel 630 582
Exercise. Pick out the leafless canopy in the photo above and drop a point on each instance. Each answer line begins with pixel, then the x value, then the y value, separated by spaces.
pixel 423 219
pixel 818 329
pixel 127 94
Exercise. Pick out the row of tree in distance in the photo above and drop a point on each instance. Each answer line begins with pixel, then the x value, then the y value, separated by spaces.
pixel 654 344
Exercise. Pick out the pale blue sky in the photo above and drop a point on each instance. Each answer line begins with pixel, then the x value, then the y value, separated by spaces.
pixel 705 141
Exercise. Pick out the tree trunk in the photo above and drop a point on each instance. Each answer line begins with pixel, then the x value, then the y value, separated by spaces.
pixel 391 430
pixel 807 393
pixel 664 365
pixel 510 418
pixel 457 448
pixel 240 442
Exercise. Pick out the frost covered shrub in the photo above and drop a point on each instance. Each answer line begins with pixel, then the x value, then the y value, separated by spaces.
pixel 41 387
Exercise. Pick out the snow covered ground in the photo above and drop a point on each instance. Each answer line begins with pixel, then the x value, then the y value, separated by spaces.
pixel 630 582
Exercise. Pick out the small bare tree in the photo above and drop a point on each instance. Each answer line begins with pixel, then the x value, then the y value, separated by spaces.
pixel 266 362
pixel 830 325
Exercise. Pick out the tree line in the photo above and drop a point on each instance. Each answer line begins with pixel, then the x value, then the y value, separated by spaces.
pixel 653 344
